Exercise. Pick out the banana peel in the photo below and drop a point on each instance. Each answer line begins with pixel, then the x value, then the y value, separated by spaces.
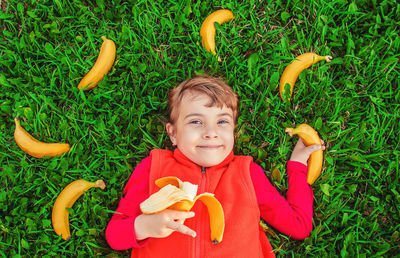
pixel 177 195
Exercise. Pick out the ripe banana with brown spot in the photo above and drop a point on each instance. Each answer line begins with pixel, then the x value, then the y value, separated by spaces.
pixel 66 199
pixel 103 64
pixel 292 71
pixel 310 137
pixel 34 147
pixel 177 195
pixel 207 29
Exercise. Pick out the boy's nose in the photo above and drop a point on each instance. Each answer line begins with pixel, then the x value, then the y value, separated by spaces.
pixel 210 133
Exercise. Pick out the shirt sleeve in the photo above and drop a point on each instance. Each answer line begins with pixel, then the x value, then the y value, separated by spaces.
pixel 291 216
pixel 120 232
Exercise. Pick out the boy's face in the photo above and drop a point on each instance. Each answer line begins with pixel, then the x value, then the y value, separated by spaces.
pixel 203 134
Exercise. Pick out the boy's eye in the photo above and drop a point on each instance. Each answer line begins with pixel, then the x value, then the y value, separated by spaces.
pixel 223 122
pixel 195 122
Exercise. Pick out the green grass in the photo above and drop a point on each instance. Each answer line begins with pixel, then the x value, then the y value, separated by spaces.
pixel 354 103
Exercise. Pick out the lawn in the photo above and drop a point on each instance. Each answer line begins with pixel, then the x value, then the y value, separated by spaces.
pixel 47 47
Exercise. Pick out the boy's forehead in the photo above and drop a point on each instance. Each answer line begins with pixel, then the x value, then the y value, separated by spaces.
pixel 188 100
pixel 193 95
pixel 193 101
pixel 194 98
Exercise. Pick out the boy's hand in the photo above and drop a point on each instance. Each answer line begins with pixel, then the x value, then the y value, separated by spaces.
pixel 162 224
pixel 301 153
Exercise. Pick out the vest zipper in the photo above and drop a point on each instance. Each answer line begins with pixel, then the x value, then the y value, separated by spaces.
pixel 197 244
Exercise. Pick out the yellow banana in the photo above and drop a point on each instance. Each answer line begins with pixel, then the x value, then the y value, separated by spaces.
pixel 169 180
pixel 103 64
pixel 309 136
pixel 34 147
pixel 177 195
pixel 207 30
pixel 292 71
pixel 66 199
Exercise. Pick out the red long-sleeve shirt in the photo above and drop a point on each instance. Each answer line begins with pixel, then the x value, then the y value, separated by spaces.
pixel 291 216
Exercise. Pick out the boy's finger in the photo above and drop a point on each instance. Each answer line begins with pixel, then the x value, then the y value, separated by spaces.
pixel 300 143
pixel 313 148
pixel 180 215
pixel 180 228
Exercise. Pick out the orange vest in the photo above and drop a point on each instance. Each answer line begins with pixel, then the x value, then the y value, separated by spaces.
pixel 231 184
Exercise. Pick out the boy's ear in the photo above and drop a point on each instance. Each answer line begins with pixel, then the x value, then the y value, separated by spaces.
pixel 171 133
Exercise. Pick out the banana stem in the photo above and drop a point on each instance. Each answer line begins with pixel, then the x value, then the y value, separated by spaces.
pixel 290 131
pixel 328 58
pixel 100 184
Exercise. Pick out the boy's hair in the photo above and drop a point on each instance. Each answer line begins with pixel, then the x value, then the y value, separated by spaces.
pixel 219 92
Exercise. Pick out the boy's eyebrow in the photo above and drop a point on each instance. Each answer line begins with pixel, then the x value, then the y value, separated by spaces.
pixel 198 114
pixel 193 114
pixel 225 114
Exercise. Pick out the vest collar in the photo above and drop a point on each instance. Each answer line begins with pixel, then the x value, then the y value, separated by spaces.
pixel 181 158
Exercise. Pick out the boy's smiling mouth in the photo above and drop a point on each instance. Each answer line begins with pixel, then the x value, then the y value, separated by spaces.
pixel 209 146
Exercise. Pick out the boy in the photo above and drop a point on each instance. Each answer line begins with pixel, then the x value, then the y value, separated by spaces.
pixel 203 114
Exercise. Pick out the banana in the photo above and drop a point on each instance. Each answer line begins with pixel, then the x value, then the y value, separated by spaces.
pixel 177 195
pixel 309 136
pixel 207 29
pixel 169 180
pixel 66 199
pixel 103 64
pixel 34 147
pixel 292 71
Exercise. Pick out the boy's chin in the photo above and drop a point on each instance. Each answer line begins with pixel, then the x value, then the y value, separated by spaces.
pixel 204 158
pixel 209 162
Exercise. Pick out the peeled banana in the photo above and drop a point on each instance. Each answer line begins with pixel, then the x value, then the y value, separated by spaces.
pixel 34 147
pixel 310 137
pixel 207 29
pixel 66 199
pixel 103 64
pixel 292 71
pixel 177 195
